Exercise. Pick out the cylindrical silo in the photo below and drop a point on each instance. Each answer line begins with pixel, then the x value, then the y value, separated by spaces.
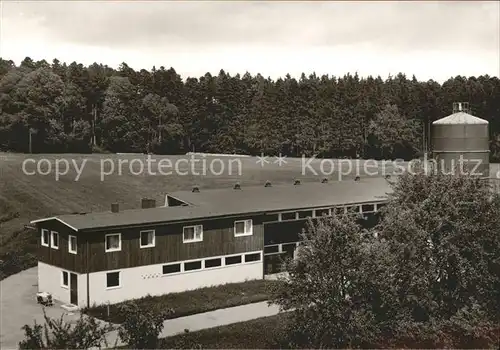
pixel 461 138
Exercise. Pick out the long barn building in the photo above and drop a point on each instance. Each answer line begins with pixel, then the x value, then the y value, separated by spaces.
pixel 198 238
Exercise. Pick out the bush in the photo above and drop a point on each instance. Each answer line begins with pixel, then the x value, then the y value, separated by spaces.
pixel 87 333
pixel 141 328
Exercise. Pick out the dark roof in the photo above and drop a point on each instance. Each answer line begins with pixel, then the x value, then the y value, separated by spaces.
pixel 230 202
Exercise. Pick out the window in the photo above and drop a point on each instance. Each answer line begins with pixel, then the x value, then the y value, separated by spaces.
pixel 339 210
pixel 288 216
pixel 353 209
pixel 192 234
pixel 289 248
pixel 231 260
pixel 55 239
pixel 193 265
pixel 213 263
pixel 322 212
pixel 305 214
pixel 380 206
pixel 45 237
pixel 72 244
pixel 113 242
pixel 64 279
pixel 368 208
pixel 172 268
pixel 271 249
pixel 113 279
pixel 271 217
pixel 252 257
pixel 243 228
pixel 147 238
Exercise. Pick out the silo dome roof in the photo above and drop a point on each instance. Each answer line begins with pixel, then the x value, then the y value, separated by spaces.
pixel 460 118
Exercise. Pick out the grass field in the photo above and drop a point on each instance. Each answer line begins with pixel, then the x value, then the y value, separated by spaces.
pixel 94 186
pixel 267 333
pixel 192 302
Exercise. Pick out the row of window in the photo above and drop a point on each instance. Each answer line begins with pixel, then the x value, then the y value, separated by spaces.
pixel 210 263
pixel 296 215
pixel 53 238
pixel 113 279
pixel 190 234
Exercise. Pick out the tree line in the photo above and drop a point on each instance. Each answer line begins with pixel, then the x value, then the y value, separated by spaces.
pixel 75 108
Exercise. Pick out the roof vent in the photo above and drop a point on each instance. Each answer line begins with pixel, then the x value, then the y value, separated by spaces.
pixel 147 203
pixel 115 207
pixel 195 189
pixel 237 186
pixel 268 184
pixel 324 180
pixel 357 178
pixel 461 107
pixel 296 182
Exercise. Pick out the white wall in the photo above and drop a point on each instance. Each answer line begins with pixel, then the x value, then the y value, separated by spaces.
pixel 49 280
pixel 140 281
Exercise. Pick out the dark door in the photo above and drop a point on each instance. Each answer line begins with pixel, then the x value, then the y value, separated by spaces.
pixel 73 289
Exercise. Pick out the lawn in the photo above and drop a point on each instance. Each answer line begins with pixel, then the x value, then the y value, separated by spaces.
pixel 266 333
pixel 193 302
pixel 260 333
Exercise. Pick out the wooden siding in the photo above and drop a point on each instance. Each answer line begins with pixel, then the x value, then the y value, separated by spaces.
pixel 61 257
pixel 218 239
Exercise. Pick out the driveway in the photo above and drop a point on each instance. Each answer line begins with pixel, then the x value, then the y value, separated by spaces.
pixel 19 307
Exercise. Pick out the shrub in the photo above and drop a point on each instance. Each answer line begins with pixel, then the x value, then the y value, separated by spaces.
pixel 87 333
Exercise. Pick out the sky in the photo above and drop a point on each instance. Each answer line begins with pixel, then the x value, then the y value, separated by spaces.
pixel 431 40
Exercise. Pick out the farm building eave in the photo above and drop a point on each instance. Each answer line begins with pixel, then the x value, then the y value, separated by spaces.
pixel 220 203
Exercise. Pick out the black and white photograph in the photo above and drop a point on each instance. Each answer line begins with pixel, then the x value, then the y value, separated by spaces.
pixel 249 174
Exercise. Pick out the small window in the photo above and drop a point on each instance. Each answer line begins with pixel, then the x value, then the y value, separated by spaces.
pixel 380 206
pixel 113 279
pixel 65 279
pixel 72 244
pixel 252 257
pixel 353 209
pixel 289 248
pixel 45 237
pixel 231 260
pixel 113 242
pixel 288 216
pixel 192 234
pixel 243 228
pixel 305 214
pixel 147 239
pixel 193 265
pixel 271 217
pixel 339 210
pixel 55 239
pixel 271 249
pixel 368 208
pixel 213 263
pixel 172 268
pixel 322 212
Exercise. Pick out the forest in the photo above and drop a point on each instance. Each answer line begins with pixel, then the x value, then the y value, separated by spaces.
pixel 71 108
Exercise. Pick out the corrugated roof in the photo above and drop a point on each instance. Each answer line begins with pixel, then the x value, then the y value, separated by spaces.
pixel 460 118
pixel 228 202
